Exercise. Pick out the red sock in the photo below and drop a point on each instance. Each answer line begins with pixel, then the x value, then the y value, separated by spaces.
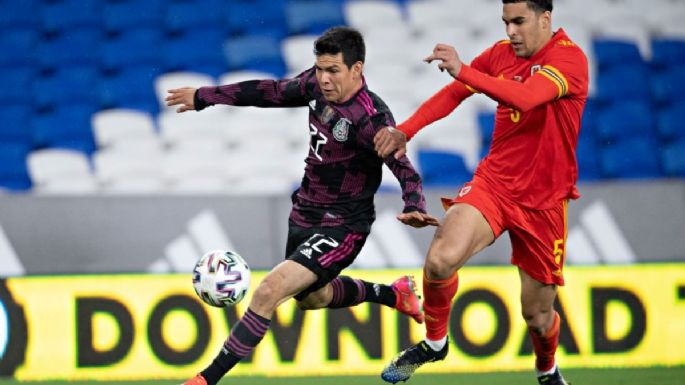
pixel 545 345
pixel 437 304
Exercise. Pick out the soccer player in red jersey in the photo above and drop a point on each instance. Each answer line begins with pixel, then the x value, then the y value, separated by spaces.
pixel 539 77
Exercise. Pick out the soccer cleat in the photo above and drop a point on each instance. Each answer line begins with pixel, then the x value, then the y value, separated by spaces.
pixel 404 365
pixel 552 379
pixel 197 380
pixel 408 302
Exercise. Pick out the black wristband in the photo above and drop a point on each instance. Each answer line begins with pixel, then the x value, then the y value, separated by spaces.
pixel 198 102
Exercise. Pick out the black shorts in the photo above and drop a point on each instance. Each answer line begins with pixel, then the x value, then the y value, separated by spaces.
pixel 325 251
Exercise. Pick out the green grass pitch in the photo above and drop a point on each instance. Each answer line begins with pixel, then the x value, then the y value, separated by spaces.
pixel 609 376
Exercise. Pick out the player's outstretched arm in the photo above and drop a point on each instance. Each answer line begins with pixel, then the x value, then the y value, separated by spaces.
pixel 418 219
pixel 185 97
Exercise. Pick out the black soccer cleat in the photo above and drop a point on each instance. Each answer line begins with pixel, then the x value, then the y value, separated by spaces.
pixel 410 359
pixel 552 379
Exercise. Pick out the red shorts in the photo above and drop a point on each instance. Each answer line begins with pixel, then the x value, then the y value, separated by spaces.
pixel 538 237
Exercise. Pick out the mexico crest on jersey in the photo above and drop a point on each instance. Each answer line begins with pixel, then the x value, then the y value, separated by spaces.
pixel 341 130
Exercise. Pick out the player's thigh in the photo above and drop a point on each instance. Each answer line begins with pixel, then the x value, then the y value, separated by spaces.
pixel 463 232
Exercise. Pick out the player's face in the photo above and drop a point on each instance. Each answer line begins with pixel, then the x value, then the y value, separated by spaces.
pixel 337 81
pixel 528 31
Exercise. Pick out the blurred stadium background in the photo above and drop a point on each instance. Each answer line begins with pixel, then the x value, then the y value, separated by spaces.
pixel 97 176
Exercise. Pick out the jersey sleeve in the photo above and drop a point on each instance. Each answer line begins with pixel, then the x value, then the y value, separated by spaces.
pixel 547 84
pixel 402 169
pixel 293 92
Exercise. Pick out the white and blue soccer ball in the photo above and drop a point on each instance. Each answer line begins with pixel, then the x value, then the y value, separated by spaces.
pixel 221 278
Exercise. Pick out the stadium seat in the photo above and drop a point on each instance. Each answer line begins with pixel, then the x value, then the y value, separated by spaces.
pixel 623 83
pixel 186 53
pixel 312 16
pixel 486 124
pixel 670 123
pixel 120 16
pixel 68 85
pixel 610 52
pixel 16 81
pixel 673 158
pixel 61 171
pixel 667 53
pixel 298 52
pixel 442 169
pixel 634 157
pixel 624 120
pixel 666 85
pixel 256 17
pixel 15 122
pixel 137 47
pixel 366 15
pixel 74 47
pixel 239 76
pixel 130 88
pixel 261 53
pixel 177 129
pixel 19 14
pixel 171 80
pixel 181 17
pixel 588 157
pixel 123 164
pixel 13 169
pixel 118 127
pixel 66 127
pixel 70 14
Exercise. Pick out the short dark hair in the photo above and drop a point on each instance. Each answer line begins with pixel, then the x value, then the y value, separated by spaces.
pixel 347 40
pixel 536 5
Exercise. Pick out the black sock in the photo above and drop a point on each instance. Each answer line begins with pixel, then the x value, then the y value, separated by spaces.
pixel 245 335
pixel 349 292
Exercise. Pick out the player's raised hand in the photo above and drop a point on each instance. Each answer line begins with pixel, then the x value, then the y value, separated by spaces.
pixel 184 96
pixel 390 139
pixel 418 219
pixel 449 59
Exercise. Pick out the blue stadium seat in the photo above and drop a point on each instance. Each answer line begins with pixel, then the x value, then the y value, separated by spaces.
pixel 609 53
pixel 671 121
pixel 667 85
pixel 200 51
pixel 15 122
pixel 313 16
pixel 14 174
pixel 635 157
pixel 625 119
pixel 668 53
pixel 442 169
pixel 120 16
pixel 132 88
pixel 69 14
pixel 260 53
pixel 16 84
pixel 673 158
pixel 623 83
pixel 486 125
pixel 256 17
pixel 68 85
pixel 18 48
pixel 66 127
pixel 73 47
pixel 588 157
pixel 142 46
pixel 19 14
pixel 184 16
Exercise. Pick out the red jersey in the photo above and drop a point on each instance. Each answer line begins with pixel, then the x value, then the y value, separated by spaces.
pixel 532 158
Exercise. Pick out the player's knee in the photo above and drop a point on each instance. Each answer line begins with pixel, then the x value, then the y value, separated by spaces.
pixel 266 295
pixel 439 266
pixel 536 318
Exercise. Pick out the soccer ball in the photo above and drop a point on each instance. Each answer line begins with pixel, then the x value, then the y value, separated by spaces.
pixel 221 278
